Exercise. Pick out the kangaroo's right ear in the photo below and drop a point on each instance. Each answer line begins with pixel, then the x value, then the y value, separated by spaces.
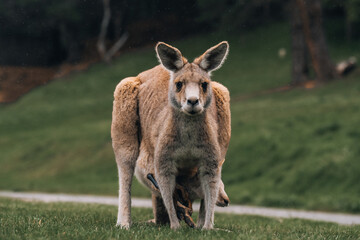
pixel 214 57
pixel 170 57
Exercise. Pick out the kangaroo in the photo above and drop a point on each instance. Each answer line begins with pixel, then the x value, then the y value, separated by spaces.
pixel 170 120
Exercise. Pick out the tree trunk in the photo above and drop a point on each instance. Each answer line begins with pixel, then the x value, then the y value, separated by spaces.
pixel 348 28
pixel 311 16
pixel 101 45
pixel 300 69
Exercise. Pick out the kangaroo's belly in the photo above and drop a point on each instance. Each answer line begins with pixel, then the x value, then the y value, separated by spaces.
pixel 187 162
pixel 187 157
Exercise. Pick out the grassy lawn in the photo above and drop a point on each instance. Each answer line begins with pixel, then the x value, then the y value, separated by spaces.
pixel 24 220
pixel 297 149
pixel 294 149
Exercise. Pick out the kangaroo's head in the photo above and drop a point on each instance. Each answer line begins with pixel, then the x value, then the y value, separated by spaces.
pixel 190 86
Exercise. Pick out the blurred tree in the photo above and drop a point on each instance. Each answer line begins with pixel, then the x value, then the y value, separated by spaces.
pixel 310 13
pixel 74 21
pixel 107 54
pixel 346 12
pixel 45 32
pixel 300 66
pixel 237 15
pixel 39 32
pixel 352 8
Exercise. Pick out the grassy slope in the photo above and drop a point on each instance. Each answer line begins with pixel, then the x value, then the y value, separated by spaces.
pixel 19 220
pixel 296 149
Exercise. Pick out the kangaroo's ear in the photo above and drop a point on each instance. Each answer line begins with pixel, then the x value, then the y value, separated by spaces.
pixel 170 57
pixel 214 57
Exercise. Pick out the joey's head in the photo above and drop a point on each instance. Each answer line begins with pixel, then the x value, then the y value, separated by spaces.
pixel 190 85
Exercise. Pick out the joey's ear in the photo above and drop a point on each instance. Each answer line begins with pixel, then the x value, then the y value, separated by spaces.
pixel 214 57
pixel 169 57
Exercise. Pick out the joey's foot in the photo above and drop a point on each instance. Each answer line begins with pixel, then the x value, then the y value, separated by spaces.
pixel 188 220
pixel 184 213
pixel 183 205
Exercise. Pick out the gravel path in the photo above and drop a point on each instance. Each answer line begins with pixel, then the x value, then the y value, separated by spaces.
pixel 345 219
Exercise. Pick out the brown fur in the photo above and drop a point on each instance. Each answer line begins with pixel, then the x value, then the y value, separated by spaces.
pixel 160 139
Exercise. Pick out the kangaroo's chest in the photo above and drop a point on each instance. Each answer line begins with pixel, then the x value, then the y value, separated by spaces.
pixel 190 146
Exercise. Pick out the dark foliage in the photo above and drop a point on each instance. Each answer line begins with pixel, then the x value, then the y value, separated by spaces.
pixel 46 32
pixel 39 32
pixel 239 15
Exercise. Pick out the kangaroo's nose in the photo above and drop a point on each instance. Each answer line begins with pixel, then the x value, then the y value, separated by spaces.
pixel 193 101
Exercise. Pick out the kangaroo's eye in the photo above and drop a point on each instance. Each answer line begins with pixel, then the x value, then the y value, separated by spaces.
pixel 204 86
pixel 179 86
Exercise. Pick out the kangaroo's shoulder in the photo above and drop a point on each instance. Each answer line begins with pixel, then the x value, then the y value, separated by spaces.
pixel 221 93
pixel 222 102
pixel 128 87
pixel 154 74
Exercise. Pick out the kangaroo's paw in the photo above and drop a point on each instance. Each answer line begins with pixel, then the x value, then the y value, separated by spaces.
pixel 123 225
pixel 151 221
pixel 207 227
pixel 175 226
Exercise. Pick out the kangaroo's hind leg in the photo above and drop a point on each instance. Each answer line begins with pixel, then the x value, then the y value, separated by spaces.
pixel 160 213
pixel 125 141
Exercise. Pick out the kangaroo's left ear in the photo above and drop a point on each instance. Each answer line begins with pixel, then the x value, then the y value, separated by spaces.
pixel 214 57
pixel 170 57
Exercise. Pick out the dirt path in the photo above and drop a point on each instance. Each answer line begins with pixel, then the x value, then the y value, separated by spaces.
pixel 345 219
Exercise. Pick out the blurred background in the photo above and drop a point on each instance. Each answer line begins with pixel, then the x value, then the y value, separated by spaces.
pixel 291 73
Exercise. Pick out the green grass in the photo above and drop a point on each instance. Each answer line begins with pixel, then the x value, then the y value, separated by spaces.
pixel 20 220
pixel 294 149
pixel 297 149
